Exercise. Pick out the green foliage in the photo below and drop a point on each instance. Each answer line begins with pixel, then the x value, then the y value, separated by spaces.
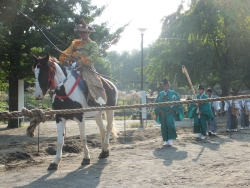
pixel 211 39
pixel 19 38
pixel 126 68
pixel 3 106
pixel 3 101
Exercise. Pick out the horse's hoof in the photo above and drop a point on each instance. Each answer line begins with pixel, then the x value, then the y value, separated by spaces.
pixel 85 162
pixel 53 166
pixel 104 154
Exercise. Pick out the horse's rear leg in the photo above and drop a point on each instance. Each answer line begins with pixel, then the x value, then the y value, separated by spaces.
pixel 98 119
pixel 60 141
pixel 83 137
pixel 110 126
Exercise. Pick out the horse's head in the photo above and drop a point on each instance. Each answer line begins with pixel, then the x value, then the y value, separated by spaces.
pixel 44 70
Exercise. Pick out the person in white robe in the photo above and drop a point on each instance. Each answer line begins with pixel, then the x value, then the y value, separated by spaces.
pixel 232 109
pixel 215 106
pixel 244 113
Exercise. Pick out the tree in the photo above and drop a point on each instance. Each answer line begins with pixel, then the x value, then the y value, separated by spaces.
pixel 211 39
pixel 126 68
pixel 20 38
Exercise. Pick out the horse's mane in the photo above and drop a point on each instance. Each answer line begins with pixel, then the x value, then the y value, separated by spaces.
pixel 53 60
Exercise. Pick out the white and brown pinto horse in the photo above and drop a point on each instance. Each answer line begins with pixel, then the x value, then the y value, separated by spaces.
pixel 50 74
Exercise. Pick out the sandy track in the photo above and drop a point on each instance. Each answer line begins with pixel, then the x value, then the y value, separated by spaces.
pixel 137 159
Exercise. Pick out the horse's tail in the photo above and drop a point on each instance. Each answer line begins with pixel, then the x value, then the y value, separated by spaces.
pixel 114 130
pixel 109 116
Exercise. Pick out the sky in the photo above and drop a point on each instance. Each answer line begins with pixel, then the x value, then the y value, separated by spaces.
pixel 141 14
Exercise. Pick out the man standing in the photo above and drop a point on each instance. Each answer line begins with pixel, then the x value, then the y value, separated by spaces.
pixel 244 118
pixel 215 106
pixel 166 115
pixel 232 108
pixel 201 113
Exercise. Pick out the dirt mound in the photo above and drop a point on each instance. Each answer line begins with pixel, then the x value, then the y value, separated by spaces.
pixel 73 144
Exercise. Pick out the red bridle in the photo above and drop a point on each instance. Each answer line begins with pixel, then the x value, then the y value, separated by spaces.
pixel 72 89
pixel 51 77
pixel 51 80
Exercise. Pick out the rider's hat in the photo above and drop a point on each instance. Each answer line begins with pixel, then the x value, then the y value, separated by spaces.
pixel 201 87
pixel 84 27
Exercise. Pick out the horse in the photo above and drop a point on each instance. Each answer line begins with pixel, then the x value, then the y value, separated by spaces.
pixel 49 74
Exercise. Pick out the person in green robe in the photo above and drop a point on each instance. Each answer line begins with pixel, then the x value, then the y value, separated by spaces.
pixel 202 113
pixel 166 115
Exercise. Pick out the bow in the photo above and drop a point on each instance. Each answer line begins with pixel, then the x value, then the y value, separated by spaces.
pixel 58 48
pixel 38 28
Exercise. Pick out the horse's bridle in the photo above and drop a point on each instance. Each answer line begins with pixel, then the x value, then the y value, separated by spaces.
pixel 51 79
pixel 51 73
pixel 53 86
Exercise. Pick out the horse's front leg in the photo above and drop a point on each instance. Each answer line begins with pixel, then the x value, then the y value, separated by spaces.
pixel 83 137
pixel 60 141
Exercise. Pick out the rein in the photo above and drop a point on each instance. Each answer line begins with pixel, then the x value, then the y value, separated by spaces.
pixel 72 89
pixel 53 84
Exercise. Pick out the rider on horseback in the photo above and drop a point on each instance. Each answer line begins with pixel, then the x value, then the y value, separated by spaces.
pixel 86 52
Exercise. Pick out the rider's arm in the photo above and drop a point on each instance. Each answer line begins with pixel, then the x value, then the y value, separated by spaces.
pixel 68 51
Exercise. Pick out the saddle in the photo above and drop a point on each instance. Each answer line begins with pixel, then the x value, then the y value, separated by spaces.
pixel 109 90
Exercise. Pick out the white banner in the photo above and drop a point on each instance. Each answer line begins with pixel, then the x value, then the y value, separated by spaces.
pixel 20 95
pixel 144 101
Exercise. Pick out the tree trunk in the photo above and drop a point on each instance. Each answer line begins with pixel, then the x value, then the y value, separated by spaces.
pixel 248 86
pixel 224 88
pixel 13 101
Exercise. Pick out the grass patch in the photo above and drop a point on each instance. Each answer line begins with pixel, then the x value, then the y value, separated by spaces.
pixel 137 125
pixel 24 125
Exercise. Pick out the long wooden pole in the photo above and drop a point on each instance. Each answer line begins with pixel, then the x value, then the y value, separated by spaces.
pixel 184 70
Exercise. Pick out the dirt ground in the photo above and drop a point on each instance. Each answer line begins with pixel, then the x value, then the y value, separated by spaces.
pixel 137 158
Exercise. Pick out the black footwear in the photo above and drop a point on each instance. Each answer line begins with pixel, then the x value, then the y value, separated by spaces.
pixel 209 133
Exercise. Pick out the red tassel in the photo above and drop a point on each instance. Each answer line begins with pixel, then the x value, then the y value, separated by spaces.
pixel 53 84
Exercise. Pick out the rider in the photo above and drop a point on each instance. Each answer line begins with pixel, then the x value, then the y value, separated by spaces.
pixel 85 52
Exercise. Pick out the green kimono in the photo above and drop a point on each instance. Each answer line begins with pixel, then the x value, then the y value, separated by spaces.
pixel 200 124
pixel 167 120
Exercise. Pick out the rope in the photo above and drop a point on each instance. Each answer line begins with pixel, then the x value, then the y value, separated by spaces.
pixel 39 115
pixel 43 115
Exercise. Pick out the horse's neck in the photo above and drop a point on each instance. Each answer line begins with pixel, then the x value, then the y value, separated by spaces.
pixel 61 79
pixel 59 75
